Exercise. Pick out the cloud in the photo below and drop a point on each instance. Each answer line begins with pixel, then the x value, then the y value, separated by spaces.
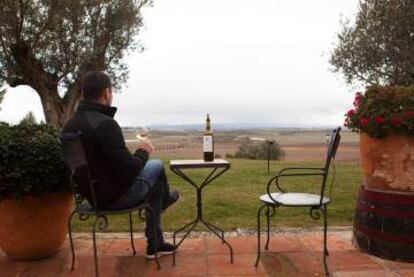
pixel 259 62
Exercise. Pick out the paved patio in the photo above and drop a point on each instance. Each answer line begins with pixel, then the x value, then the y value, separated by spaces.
pixel 290 254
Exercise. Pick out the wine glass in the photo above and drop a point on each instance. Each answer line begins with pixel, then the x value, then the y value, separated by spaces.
pixel 142 131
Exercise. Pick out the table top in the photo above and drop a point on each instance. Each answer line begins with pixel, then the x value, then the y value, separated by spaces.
pixel 217 163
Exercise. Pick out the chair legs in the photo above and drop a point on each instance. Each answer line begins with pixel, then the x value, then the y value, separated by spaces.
pixel 101 222
pixel 268 227
pixel 132 234
pixel 258 233
pixel 325 233
pixel 325 252
pixel 71 240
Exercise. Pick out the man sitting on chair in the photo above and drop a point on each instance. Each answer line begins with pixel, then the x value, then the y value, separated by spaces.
pixel 113 167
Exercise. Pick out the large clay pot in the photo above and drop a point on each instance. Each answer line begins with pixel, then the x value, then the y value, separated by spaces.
pixel 384 214
pixel 35 227
pixel 388 164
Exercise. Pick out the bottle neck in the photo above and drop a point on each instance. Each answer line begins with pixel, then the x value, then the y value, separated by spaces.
pixel 208 124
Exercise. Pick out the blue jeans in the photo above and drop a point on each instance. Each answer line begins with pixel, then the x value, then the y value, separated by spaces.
pixel 154 173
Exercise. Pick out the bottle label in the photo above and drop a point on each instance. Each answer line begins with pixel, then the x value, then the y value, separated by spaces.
pixel 208 144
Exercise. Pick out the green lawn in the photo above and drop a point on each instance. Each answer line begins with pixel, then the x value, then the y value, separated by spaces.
pixel 231 201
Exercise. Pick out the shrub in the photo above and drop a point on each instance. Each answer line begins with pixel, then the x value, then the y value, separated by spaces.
pixel 31 161
pixel 259 150
pixel 28 119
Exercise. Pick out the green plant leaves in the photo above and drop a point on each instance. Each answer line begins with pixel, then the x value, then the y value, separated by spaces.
pixel 31 162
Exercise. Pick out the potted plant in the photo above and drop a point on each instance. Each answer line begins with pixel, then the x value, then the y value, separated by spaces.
pixel 35 198
pixel 384 117
pixel 377 50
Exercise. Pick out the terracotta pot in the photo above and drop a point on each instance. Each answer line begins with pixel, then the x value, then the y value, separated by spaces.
pixel 388 164
pixel 35 227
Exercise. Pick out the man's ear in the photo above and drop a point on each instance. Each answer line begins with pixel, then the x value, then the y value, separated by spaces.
pixel 107 93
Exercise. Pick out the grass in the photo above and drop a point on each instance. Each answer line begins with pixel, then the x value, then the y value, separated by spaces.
pixel 232 200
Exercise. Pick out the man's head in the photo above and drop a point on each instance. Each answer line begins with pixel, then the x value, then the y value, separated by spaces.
pixel 97 87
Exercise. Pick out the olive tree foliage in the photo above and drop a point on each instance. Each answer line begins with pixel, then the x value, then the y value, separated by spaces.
pixel 49 44
pixel 2 93
pixel 378 48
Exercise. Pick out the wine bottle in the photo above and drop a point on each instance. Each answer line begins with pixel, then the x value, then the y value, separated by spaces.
pixel 208 142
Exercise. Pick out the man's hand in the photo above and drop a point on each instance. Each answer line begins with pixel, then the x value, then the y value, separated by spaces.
pixel 146 144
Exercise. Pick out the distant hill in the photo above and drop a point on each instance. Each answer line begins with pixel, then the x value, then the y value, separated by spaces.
pixel 232 126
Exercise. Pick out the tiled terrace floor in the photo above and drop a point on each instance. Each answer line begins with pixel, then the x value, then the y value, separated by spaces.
pixel 289 255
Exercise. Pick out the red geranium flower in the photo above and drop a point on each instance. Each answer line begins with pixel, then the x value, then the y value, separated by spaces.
pixel 357 100
pixel 364 122
pixel 396 121
pixel 350 112
pixel 379 119
pixel 408 114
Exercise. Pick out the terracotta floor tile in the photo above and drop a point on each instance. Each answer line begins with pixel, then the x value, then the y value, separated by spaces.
pixel 237 275
pixel 240 245
pixel 218 264
pixel 335 243
pixel 132 266
pixel 195 246
pixel 365 273
pixel 304 262
pixel 85 267
pixel 9 268
pixel 283 244
pixel 122 247
pixel 350 261
pixel 194 265
pixel 85 246
pixel 52 267
pixel 289 256
pixel 404 273
pixel 393 265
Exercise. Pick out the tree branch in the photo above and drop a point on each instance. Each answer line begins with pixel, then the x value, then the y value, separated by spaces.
pixel 22 12
pixel 14 82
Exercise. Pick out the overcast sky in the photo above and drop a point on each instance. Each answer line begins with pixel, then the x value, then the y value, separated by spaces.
pixel 258 62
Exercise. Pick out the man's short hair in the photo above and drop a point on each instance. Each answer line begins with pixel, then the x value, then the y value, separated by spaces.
pixel 94 83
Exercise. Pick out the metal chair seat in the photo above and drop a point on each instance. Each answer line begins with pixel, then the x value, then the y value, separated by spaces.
pixel 294 199
pixel 87 209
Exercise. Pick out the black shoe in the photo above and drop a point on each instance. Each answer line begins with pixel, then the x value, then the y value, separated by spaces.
pixel 162 250
pixel 174 196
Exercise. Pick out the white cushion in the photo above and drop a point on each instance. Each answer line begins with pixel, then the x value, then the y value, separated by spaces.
pixel 294 199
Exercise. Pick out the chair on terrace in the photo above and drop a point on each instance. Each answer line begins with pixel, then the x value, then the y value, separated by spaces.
pixel 80 177
pixel 317 203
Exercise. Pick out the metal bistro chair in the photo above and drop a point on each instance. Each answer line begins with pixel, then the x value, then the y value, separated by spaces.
pixel 80 178
pixel 317 203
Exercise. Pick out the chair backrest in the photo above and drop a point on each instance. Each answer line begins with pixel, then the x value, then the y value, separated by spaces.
pixel 332 147
pixel 330 156
pixel 75 158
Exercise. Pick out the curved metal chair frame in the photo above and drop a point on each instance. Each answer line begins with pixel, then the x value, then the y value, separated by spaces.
pixel 317 207
pixel 80 176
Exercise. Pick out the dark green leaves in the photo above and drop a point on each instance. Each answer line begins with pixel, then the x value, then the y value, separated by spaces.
pixel 31 162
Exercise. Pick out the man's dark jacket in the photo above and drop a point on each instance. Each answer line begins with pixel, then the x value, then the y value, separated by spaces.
pixel 112 166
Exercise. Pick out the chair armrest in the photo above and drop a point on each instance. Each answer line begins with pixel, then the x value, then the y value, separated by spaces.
pixel 300 168
pixel 276 178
